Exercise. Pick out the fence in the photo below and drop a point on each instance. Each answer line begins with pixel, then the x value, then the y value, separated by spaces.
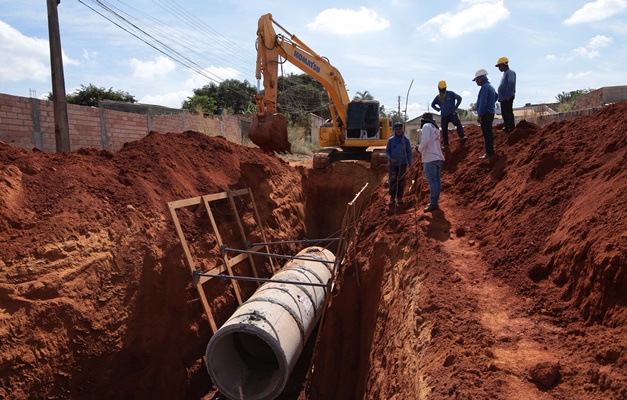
pixel 28 123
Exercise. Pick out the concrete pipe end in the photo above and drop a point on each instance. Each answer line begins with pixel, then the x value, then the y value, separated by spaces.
pixel 246 362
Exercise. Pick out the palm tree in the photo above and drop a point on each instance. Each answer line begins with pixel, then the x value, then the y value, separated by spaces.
pixel 365 95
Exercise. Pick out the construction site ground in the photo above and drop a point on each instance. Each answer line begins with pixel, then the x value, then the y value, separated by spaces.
pixel 515 289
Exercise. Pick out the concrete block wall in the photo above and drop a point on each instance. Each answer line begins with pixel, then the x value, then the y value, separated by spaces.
pixel 602 96
pixel 28 123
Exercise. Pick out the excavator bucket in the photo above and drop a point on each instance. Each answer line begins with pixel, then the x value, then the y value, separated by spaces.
pixel 269 132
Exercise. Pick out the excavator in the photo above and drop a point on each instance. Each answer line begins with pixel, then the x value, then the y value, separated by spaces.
pixel 354 127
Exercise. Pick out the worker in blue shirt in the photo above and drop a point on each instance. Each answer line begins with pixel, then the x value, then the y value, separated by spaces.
pixel 485 110
pixel 398 152
pixel 447 102
pixel 507 92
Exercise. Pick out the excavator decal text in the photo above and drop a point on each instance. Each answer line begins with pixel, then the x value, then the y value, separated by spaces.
pixel 309 63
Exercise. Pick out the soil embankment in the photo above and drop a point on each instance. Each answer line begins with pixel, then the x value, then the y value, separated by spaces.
pixel 514 290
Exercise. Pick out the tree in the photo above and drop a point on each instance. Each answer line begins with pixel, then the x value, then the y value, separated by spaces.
pixel 299 95
pixel 91 95
pixel 567 101
pixel 230 94
pixel 365 95
pixel 202 104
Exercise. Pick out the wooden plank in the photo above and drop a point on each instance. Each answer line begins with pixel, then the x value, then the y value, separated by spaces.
pixel 185 202
pixel 207 200
pixel 263 234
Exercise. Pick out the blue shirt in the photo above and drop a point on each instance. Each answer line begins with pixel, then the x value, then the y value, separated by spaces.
pixel 451 101
pixel 507 87
pixel 486 99
pixel 398 148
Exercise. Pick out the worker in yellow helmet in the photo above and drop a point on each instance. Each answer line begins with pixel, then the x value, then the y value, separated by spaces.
pixel 447 102
pixel 507 92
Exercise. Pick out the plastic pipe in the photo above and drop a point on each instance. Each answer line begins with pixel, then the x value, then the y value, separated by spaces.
pixel 252 355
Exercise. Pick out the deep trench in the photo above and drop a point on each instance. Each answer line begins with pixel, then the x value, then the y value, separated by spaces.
pixel 326 194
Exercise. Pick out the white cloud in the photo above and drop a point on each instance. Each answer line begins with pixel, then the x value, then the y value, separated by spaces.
pixel 596 11
pixel 589 51
pixel 479 16
pixel 599 41
pixel 23 57
pixel 348 22
pixel 173 99
pixel 578 75
pixel 151 69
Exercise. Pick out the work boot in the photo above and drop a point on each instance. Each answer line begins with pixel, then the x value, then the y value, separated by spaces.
pixel 431 207
pixel 463 139
pixel 445 147
pixel 486 156
pixel 391 202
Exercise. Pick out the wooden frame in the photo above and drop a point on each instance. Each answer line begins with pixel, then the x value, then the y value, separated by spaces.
pixel 228 263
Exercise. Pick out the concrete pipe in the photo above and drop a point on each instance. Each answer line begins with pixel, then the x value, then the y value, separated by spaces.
pixel 252 355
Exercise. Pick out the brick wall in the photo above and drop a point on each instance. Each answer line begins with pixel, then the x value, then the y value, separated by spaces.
pixel 29 123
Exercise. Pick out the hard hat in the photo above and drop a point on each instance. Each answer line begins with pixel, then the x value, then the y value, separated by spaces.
pixel 481 72
pixel 502 60
pixel 442 84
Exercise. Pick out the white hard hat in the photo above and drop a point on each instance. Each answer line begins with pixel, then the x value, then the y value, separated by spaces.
pixel 481 72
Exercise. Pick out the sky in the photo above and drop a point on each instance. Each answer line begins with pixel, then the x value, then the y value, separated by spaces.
pixel 397 50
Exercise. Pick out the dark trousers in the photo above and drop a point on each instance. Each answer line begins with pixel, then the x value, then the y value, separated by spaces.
pixel 396 180
pixel 487 120
pixel 454 119
pixel 507 111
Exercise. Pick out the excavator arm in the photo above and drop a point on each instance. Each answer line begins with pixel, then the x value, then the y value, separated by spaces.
pixel 269 129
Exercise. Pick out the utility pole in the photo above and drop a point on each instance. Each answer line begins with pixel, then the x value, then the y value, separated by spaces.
pixel 61 126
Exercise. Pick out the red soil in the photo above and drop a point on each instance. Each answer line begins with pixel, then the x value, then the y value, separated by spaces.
pixel 516 289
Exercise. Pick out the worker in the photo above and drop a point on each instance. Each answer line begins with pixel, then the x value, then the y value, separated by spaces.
pixel 447 102
pixel 432 159
pixel 485 110
pixel 507 92
pixel 398 152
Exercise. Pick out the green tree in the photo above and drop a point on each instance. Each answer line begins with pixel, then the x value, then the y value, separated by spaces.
pixel 365 95
pixel 567 101
pixel 91 95
pixel 230 95
pixel 299 95
pixel 200 104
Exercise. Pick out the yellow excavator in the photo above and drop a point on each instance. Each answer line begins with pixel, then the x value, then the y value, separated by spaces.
pixel 355 126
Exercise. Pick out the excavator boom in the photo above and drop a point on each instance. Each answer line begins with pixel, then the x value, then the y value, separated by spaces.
pixel 354 126
pixel 269 129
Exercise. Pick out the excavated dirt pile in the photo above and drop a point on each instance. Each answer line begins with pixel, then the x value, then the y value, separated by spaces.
pixel 515 289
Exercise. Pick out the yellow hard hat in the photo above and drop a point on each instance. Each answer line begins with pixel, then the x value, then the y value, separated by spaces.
pixel 442 84
pixel 502 60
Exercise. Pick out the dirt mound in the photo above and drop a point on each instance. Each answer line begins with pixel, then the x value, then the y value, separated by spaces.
pixel 514 290
pixel 95 300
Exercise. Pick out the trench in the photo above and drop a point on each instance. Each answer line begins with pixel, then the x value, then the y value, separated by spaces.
pixel 326 194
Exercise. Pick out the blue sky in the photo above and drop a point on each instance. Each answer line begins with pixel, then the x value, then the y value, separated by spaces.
pixel 378 46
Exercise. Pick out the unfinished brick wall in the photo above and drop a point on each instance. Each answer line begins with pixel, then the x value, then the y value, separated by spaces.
pixel 29 123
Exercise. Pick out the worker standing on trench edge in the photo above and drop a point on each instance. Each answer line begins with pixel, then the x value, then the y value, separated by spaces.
pixel 447 102
pixel 398 152
pixel 485 110
pixel 432 159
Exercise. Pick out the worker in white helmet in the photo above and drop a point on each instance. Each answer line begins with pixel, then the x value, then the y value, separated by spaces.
pixel 507 92
pixel 485 110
